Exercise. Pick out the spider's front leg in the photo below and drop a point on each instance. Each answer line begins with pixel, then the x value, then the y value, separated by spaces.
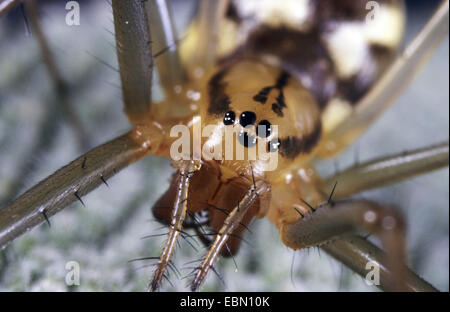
pixel 79 177
pixel 88 171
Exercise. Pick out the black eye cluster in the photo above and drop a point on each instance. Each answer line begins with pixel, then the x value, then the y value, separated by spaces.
pixel 263 129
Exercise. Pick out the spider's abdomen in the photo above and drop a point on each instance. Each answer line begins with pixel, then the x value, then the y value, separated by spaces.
pixel 336 49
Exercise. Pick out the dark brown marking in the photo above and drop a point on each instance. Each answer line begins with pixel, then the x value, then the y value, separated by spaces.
pixel 342 10
pixel 355 87
pixel 277 110
pixel 282 80
pixel 280 100
pixel 279 105
pixel 301 54
pixel 279 84
pixel 291 147
pixel 262 95
pixel 219 101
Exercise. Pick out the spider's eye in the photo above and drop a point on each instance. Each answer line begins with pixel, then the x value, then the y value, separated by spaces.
pixel 264 129
pixel 246 140
pixel 247 118
pixel 229 118
pixel 273 145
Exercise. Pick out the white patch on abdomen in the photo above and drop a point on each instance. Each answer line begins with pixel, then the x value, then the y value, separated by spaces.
pixel 295 14
pixel 349 42
pixel 347 46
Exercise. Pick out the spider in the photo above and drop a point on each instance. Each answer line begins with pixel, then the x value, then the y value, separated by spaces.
pixel 102 174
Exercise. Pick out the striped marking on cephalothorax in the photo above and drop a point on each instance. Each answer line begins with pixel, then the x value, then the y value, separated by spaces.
pixel 219 101
pixel 279 103
pixel 292 146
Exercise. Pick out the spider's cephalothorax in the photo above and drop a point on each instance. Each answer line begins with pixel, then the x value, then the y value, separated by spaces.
pixel 294 66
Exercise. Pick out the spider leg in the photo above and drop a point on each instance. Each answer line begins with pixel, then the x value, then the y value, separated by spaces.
pixel 356 252
pixel 336 219
pixel 231 222
pixel 187 170
pixel 145 34
pixel 78 178
pixel 387 170
pixel 203 36
pixel 134 52
pixel 165 44
pixel 390 85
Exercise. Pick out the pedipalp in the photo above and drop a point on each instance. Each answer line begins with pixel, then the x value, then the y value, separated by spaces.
pixel 186 171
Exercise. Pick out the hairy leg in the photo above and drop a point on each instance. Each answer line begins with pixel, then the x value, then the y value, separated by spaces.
pixel 334 220
pixel 356 252
pixel 383 171
pixel 134 52
pixel 81 176
pixel 165 45
pixel 387 170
